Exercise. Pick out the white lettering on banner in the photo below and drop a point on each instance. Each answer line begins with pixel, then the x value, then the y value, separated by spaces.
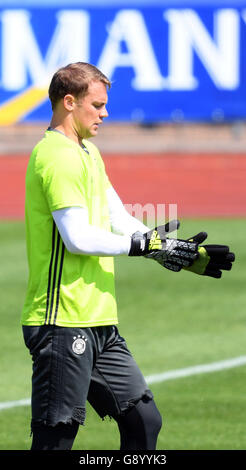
pixel 129 26
pixel 244 15
pixel 187 34
pixel 21 54
pixel 219 53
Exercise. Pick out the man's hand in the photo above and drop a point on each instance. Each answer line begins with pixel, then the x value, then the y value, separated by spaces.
pixel 212 260
pixel 169 252
pixel 209 260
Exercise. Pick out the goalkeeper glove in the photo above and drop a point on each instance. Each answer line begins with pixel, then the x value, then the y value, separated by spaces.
pixel 212 259
pixel 154 244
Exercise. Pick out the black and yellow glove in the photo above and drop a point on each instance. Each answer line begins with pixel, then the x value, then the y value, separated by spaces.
pixel 212 259
pixel 169 252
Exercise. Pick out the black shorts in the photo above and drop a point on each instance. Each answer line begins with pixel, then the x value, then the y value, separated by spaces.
pixel 72 365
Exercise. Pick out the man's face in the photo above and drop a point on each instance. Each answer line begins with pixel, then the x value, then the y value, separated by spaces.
pixel 89 111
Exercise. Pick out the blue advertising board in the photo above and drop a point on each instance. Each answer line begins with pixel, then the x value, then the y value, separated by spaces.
pixel 167 60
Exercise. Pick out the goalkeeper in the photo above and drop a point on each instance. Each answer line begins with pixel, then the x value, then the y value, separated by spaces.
pixel 75 225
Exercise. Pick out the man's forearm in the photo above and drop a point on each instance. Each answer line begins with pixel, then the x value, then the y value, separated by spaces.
pixel 80 237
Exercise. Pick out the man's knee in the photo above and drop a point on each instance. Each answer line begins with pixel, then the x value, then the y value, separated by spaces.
pixel 151 416
pixel 140 425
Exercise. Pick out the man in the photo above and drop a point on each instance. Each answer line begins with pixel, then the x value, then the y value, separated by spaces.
pixel 75 225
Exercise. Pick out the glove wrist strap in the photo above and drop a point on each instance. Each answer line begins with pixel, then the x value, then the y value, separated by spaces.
pixel 138 244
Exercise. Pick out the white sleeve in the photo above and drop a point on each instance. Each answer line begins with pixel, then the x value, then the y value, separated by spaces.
pixel 121 221
pixel 80 237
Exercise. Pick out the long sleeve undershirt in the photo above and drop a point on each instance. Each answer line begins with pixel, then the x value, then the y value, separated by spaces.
pixel 80 237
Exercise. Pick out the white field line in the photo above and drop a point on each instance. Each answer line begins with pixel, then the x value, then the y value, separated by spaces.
pixel 164 376
pixel 200 369
pixel 12 404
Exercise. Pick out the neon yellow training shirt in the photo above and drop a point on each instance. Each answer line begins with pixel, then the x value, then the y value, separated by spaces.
pixel 66 289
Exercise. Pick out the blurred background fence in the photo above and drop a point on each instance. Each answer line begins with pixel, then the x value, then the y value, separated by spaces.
pixel 178 70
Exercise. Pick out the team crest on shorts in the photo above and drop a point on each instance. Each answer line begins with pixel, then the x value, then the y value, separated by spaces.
pixel 79 344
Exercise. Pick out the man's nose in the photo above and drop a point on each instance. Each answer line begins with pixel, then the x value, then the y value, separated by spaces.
pixel 104 112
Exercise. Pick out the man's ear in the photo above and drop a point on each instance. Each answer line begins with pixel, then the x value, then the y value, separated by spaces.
pixel 68 102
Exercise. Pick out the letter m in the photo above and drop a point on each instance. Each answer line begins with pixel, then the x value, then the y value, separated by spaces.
pixel 21 56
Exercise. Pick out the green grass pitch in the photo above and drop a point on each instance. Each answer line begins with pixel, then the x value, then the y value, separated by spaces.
pixel 170 321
